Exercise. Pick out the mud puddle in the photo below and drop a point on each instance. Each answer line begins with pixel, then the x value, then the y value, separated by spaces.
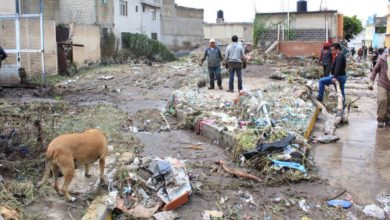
pixel 359 161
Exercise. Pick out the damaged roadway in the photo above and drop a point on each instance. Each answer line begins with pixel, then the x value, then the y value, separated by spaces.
pixel 138 92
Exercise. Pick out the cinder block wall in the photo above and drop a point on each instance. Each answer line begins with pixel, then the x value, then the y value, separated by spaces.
pixel 300 48
pixel 181 27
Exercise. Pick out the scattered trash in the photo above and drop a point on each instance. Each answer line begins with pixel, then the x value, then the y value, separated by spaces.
pixel 383 199
pixel 171 182
pixel 374 211
pixel 351 216
pixel 303 206
pixel 237 172
pixel 106 77
pixel 263 147
pixel 211 214
pixel 111 199
pixel 291 165
pixel 340 203
pixel 168 215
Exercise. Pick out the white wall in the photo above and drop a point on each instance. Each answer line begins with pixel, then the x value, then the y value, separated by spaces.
pixel 136 21
pixel 149 25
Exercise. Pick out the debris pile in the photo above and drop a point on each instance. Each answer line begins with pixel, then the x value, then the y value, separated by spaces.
pixel 149 187
pixel 256 118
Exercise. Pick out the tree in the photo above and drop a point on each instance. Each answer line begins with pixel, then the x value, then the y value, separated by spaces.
pixel 352 27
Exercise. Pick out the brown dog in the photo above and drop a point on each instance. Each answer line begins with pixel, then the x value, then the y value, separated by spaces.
pixel 9 214
pixel 86 147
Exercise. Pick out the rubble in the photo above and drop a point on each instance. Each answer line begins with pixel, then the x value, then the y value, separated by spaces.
pixel 253 117
pixel 167 186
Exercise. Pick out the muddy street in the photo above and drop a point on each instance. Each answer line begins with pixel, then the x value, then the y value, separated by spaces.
pixel 133 95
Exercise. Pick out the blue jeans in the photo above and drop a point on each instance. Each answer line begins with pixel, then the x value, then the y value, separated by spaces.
pixel 235 67
pixel 325 81
pixel 215 72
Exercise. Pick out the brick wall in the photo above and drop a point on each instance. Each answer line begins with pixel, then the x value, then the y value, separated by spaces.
pixel 296 35
pixel 181 27
pixel 300 48
pixel 105 13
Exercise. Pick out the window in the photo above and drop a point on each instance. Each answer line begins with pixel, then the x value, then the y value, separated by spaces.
pixel 153 11
pixel 136 8
pixel 104 1
pixel 123 7
pixel 143 8
pixel 154 36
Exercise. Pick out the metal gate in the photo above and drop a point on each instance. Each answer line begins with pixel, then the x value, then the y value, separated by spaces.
pixel 11 68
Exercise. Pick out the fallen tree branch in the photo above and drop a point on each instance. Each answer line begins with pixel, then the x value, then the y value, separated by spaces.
pixel 238 173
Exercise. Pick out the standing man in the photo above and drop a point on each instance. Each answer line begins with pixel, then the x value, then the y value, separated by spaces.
pixel 364 52
pixel 374 58
pixel 326 59
pixel 235 57
pixel 214 59
pixel 3 55
pixel 337 73
pixel 383 96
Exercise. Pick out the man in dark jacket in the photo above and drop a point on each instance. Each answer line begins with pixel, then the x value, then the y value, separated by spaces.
pixel 214 59
pixel 381 70
pixel 326 59
pixel 3 55
pixel 337 73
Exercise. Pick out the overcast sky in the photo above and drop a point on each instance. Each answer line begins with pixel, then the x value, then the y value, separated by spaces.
pixel 243 10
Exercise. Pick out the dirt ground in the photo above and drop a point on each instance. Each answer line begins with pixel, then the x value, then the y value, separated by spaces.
pixel 358 163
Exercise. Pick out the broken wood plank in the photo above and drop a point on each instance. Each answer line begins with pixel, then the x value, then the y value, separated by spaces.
pixel 276 43
pixel 238 173
pixel 312 123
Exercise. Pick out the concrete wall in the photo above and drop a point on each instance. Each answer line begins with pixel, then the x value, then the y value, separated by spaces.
pixel 181 28
pixel 300 48
pixel 89 36
pixel 308 26
pixel 148 25
pixel 223 32
pixel 105 13
pixel 7 7
pixel 30 39
pixel 81 12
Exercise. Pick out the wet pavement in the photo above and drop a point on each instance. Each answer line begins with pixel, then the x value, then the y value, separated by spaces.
pixel 360 160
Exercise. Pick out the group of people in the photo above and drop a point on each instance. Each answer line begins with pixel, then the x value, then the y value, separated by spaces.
pixel 334 62
pixel 234 60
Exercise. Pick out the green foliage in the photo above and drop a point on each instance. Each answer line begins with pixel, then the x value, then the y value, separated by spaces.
pixel 259 28
pixel 352 27
pixel 142 46
pixel 107 45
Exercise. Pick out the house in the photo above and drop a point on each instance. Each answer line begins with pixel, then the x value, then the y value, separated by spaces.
pixel 181 27
pixel 375 31
pixel 298 33
pixel 137 16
